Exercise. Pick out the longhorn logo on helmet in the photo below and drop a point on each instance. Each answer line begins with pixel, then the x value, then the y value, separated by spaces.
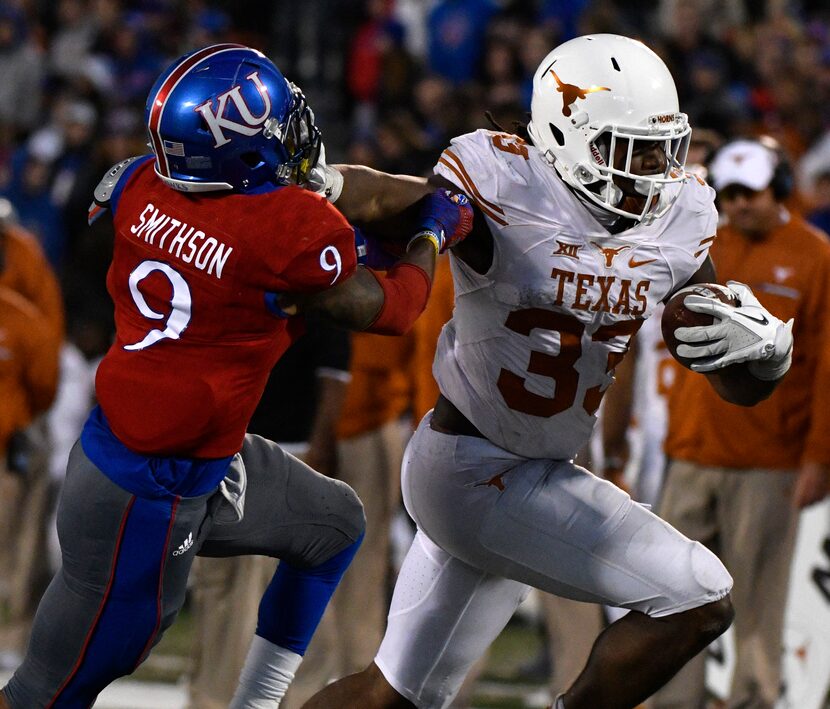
pixel 572 92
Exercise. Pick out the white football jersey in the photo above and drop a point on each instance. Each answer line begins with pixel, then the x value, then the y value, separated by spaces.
pixel 533 342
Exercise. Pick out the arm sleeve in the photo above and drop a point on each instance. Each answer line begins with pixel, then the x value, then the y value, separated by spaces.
pixel 692 240
pixel 406 290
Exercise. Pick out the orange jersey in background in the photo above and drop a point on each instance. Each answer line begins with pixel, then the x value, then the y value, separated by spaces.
pixel 26 271
pixel 427 329
pixel 789 272
pixel 28 364
pixel 380 389
pixel 393 375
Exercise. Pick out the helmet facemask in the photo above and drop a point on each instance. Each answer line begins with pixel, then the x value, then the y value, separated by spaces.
pixel 612 150
pixel 300 138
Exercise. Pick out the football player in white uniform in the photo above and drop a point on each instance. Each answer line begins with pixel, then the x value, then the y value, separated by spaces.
pixel 580 233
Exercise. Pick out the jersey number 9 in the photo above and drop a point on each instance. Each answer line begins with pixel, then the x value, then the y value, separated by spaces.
pixel 181 303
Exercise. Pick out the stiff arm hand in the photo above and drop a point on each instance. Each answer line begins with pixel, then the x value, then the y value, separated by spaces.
pixel 446 218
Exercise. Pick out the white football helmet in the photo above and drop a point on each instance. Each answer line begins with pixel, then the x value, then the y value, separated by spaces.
pixel 598 95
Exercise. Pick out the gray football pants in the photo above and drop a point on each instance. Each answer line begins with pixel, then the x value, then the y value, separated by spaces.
pixel 125 562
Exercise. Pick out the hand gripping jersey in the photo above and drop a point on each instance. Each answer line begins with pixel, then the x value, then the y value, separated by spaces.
pixel 193 279
pixel 533 342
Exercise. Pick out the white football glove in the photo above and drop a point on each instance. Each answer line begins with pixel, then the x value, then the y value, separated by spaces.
pixel 746 333
pixel 324 179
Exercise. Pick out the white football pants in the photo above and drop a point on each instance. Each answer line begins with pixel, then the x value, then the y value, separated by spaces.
pixel 491 524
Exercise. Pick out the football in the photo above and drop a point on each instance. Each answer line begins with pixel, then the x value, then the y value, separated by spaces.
pixel 676 314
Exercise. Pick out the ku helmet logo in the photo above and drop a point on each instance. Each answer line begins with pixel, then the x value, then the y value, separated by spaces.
pixel 217 121
pixel 572 92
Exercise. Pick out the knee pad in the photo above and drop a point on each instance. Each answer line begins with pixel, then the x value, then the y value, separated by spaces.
pixel 340 525
pixel 346 513
pixel 709 571
pixel 353 516
pixel 705 581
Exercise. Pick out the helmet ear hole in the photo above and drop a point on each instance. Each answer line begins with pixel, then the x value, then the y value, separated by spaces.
pixel 252 159
pixel 557 135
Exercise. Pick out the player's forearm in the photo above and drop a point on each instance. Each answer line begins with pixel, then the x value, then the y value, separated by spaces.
pixel 389 304
pixel 737 385
pixel 369 195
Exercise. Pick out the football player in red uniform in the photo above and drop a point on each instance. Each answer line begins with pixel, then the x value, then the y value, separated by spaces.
pixel 216 244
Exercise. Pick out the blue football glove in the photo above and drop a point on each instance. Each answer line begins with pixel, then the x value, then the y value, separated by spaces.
pixel 446 218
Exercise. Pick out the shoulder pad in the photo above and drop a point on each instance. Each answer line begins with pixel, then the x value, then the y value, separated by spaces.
pixel 103 191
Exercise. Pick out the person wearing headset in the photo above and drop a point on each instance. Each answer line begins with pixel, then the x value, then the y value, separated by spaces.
pixel 737 476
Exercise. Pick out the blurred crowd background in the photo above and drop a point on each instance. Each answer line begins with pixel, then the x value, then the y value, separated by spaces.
pixel 390 81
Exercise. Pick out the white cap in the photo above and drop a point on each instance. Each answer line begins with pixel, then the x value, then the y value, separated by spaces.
pixel 8 214
pixel 744 162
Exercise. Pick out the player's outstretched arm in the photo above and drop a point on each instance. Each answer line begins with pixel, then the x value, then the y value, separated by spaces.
pixel 369 195
pixel 362 194
pixel 357 302
pixel 389 304
pixel 386 202
pixel 745 353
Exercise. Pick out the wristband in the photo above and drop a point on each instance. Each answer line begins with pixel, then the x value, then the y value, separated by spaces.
pixel 433 238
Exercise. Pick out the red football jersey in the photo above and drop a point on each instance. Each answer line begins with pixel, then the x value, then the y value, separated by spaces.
pixel 190 278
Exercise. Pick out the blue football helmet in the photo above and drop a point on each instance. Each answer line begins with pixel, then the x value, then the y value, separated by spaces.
pixel 225 118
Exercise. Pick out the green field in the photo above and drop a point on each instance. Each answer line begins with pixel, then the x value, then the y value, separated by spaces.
pixel 498 687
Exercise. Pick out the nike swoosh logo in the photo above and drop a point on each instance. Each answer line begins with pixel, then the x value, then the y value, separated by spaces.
pixel 761 321
pixel 635 264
